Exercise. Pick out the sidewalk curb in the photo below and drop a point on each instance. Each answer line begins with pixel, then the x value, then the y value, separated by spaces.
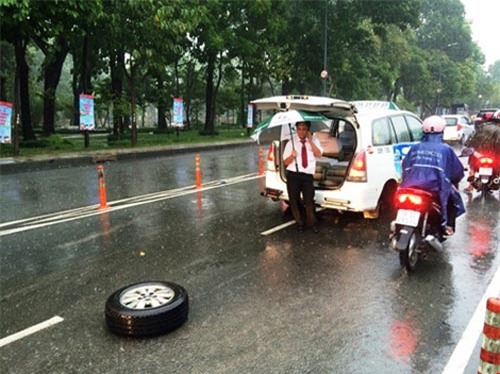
pixel 26 164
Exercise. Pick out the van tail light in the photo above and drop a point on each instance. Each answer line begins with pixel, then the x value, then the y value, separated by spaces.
pixel 412 199
pixel 270 158
pixel 357 173
pixel 459 127
pixel 270 153
pixel 486 161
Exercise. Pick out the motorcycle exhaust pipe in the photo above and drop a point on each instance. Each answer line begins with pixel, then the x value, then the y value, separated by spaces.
pixel 434 243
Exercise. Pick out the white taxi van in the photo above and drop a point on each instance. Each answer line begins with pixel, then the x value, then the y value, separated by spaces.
pixel 361 165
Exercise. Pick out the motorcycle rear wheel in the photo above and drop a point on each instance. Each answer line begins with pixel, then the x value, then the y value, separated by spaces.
pixel 408 258
pixel 484 190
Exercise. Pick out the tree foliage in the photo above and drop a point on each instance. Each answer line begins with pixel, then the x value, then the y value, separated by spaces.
pixel 218 55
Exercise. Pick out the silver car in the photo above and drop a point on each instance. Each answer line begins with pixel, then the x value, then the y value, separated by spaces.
pixel 458 128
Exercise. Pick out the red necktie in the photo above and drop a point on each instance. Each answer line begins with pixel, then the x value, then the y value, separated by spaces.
pixel 304 154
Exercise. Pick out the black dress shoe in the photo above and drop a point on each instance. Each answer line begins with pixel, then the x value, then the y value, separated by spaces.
pixel 300 228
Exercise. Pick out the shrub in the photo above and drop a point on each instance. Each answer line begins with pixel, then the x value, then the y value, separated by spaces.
pixel 56 141
pixel 208 133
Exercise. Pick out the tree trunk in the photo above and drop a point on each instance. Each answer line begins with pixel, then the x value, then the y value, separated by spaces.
pixel 190 81
pixel 133 132
pixel 75 121
pixel 24 92
pixel 177 83
pixel 397 88
pixel 215 92
pixel 286 86
pixel 242 95
pixel 209 106
pixel 162 122
pixel 115 65
pixel 85 76
pixel 3 94
pixel 52 75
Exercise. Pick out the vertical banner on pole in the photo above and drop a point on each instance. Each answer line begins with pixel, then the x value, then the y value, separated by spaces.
pixel 178 112
pixel 250 116
pixel 5 122
pixel 87 121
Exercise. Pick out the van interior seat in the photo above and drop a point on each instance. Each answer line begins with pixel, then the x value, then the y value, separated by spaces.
pixel 347 137
pixel 332 147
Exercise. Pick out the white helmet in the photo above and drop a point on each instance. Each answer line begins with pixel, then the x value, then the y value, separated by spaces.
pixel 434 124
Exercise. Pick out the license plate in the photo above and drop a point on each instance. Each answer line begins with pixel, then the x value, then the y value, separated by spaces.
pixel 407 217
pixel 485 171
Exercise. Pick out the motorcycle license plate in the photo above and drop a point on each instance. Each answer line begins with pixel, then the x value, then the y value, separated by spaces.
pixel 485 171
pixel 407 217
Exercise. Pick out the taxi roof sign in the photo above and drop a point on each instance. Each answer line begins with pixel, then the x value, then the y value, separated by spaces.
pixel 365 105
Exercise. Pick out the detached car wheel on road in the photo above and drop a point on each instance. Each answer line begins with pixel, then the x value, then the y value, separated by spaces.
pixel 147 309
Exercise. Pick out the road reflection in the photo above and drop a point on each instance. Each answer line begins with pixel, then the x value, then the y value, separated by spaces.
pixel 482 231
pixel 404 338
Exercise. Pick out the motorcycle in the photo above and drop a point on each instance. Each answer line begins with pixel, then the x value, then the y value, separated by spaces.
pixel 487 175
pixel 417 227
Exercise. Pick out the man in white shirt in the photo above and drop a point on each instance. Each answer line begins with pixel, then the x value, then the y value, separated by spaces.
pixel 299 157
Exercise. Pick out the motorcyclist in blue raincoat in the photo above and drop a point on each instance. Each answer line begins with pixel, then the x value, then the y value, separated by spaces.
pixel 433 166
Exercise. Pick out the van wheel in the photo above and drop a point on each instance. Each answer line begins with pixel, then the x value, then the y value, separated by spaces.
pixel 146 309
pixel 385 202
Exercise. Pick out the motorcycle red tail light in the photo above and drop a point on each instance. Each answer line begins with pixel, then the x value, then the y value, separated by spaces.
pixel 412 201
pixel 486 161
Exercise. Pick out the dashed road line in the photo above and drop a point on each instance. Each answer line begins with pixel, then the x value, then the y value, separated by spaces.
pixel 30 330
pixel 277 228
pixel 272 230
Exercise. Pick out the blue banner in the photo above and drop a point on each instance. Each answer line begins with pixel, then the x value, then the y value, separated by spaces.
pixel 87 121
pixel 250 116
pixel 5 122
pixel 178 120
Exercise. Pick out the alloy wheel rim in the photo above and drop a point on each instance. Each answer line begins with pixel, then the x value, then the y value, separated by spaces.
pixel 147 296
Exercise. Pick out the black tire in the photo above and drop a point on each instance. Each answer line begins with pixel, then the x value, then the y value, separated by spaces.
pixel 408 258
pixel 484 190
pixel 147 309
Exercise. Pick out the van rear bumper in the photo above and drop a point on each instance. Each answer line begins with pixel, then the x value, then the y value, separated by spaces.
pixel 272 193
pixel 354 197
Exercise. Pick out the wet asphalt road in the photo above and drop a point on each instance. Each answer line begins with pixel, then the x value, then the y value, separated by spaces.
pixel 333 302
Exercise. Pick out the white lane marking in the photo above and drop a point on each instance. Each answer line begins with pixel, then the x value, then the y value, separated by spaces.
pixel 74 214
pixel 465 347
pixel 278 228
pixel 283 226
pixel 49 215
pixel 30 330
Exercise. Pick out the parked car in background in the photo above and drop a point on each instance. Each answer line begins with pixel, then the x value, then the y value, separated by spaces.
pixel 483 116
pixel 458 128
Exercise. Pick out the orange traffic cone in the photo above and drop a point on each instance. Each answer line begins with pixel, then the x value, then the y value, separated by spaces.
pixel 489 362
pixel 198 171
pixel 102 188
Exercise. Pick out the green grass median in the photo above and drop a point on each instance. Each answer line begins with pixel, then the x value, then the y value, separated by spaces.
pixel 61 143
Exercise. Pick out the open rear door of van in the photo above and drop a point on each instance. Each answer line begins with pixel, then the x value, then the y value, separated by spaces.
pixel 332 108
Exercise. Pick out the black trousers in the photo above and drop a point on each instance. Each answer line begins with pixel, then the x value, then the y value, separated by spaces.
pixel 296 184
